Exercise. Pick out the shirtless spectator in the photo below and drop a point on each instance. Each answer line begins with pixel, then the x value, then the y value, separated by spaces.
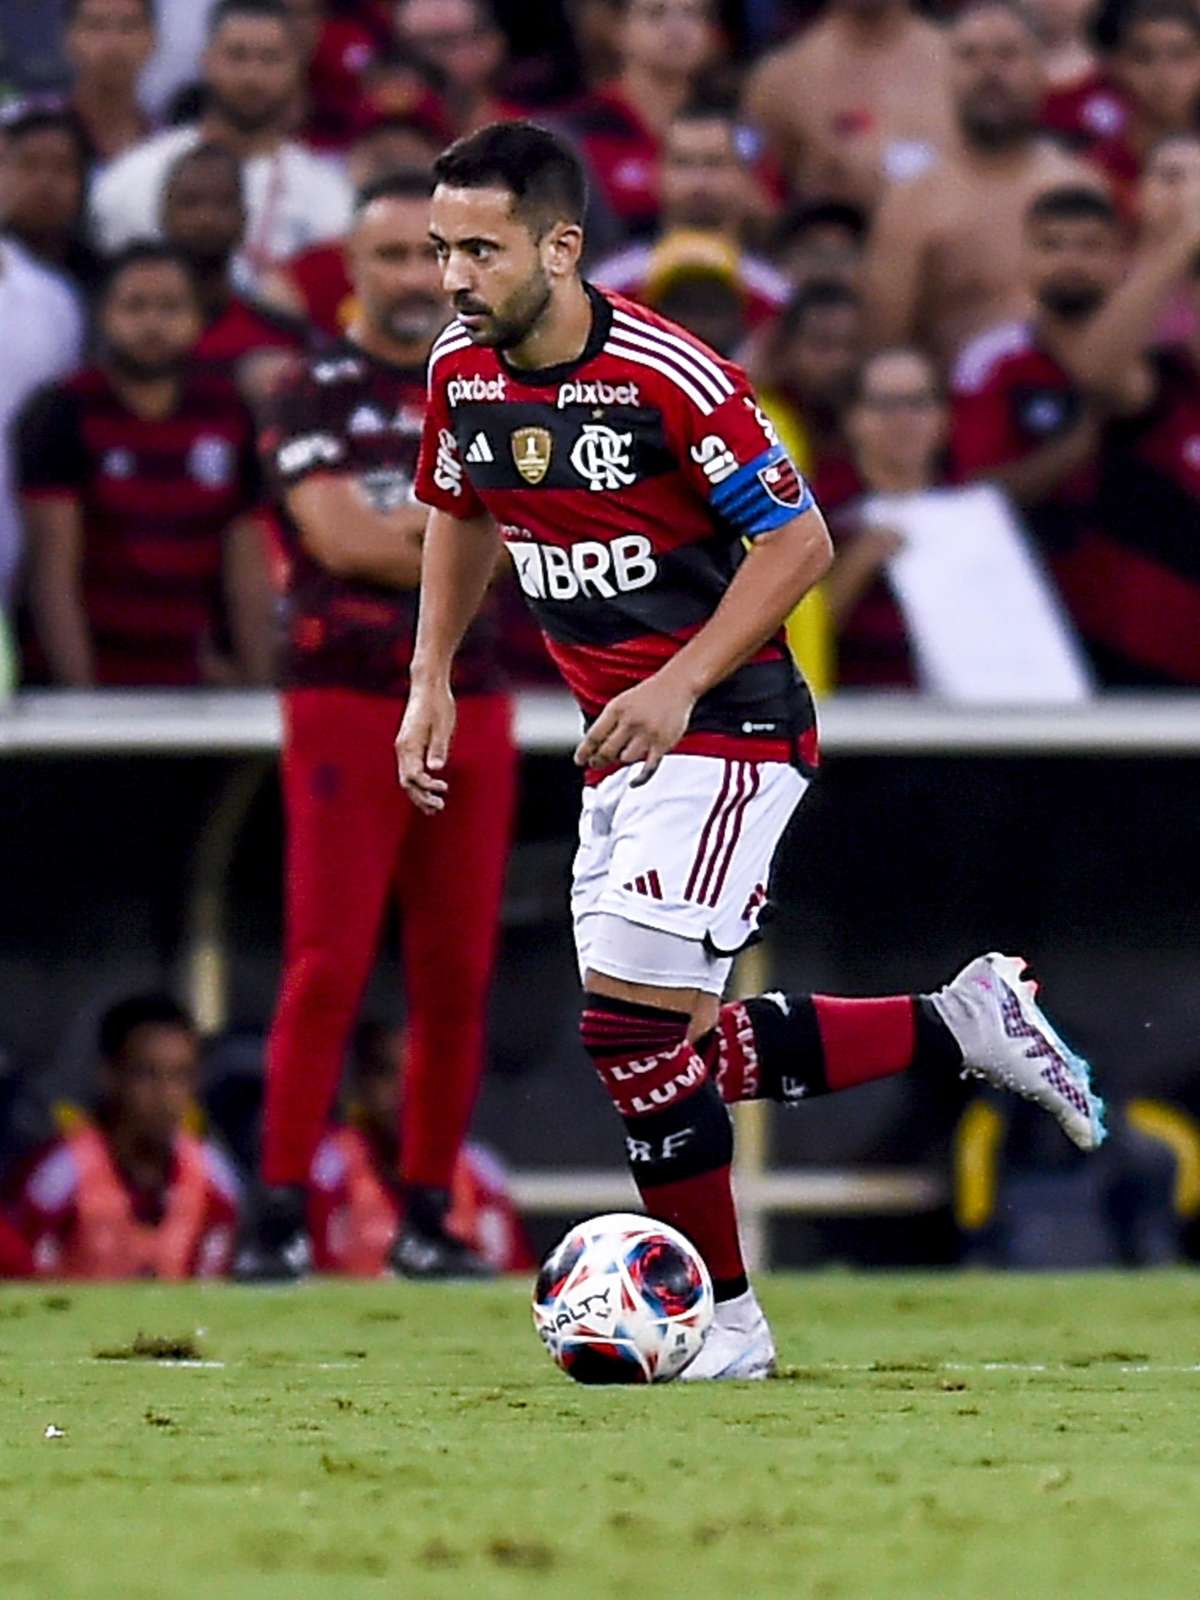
pixel 461 42
pixel 856 101
pixel 355 1199
pixel 107 43
pixel 1156 71
pixel 821 242
pixel 204 214
pixel 43 167
pixel 1092 429
pixel 706 185
pixel 129 1193
pixel 314 285
pixel 139 481
pixel 665 46
pixel 292 196
pixel 945 257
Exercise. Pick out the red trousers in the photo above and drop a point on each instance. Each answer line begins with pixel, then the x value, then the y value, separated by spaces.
pixel 353 842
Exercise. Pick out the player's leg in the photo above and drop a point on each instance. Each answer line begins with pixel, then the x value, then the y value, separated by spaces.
pixel 344 813
pixel 986 1023
pixel 451 877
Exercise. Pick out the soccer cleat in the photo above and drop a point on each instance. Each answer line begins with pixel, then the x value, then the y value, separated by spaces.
pixel 416 1254
pixel 991 1009
pixel 275 1248
pixel 738 1345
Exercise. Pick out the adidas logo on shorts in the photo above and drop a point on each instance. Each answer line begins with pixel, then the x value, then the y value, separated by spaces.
pixel 645 883
pixel 479 449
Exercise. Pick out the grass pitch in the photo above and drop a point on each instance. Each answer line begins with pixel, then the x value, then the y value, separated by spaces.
pixel 934 1437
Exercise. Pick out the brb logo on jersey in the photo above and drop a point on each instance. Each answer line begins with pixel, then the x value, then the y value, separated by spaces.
pixel 601 456
pixel 585 570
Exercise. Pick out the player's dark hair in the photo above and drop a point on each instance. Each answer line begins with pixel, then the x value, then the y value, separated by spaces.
pixel 405 183
pixel 542 173
pixel 1182 12
pixel 40 114
pixel 155 1008
pixel 820 214
pixel 823 294
pixel 142 253
pixel 71 8
pixel 1072 202
pixel 256 10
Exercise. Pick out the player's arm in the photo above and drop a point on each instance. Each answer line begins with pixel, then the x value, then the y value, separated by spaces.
pixel 459 561
pixel 250 602
pixel 55 537
pixel 645 722
pixel 892 271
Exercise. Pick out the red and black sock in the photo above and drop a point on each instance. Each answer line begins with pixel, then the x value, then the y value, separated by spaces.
pixel 790 1047
pixel 679 1140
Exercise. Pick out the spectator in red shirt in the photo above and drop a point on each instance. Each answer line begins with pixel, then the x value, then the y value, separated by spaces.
pixel 1096 433
pixel 315 284
pixel 132 1194
pixel 1156 70
pixel 138 478
pixel 355 1202
pixel 665 46
pixel 1082 104
pixel 338 52
pixel 107 43
pixel 706 184
pixel 461 44
pixel 204 217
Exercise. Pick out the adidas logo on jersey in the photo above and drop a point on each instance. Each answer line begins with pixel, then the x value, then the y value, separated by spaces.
pixel 479 449
pixel 588 569
pixel 645 883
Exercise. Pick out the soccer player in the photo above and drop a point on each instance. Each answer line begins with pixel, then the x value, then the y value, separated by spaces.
pixel 662 536
pixel 340 444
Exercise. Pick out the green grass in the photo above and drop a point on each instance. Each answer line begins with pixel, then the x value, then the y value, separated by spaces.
pixel 415 1443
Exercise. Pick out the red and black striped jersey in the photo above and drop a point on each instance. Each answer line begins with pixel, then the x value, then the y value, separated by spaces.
pixel 347 413
pixel 625 484
pixel 156 498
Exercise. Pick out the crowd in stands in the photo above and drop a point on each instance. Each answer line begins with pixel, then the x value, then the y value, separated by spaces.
pixel 958 250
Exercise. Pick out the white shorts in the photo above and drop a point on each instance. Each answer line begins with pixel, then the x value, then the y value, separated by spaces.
pixel 670 878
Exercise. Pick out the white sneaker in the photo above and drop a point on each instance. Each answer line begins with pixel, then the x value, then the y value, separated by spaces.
pixel 738 1344
pixel 992 1011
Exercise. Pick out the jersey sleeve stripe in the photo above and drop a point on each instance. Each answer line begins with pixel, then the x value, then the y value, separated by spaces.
pixel 453 330
pixel 640 336
pixel 435 355
pixel 642 359
pixel 669 362
pixel 682 348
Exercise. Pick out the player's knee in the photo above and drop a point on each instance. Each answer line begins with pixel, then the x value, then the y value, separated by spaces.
pixel 320 983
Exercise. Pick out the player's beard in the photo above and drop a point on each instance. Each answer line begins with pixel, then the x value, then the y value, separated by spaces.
pixel 516 319
pixel 995 120
pixel 252 119
pixel 411 320
pixel 134 368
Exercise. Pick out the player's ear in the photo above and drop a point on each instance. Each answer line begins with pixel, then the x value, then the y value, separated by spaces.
pixel 562 247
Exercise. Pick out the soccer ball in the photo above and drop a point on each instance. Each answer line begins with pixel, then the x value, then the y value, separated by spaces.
pixel 623 1299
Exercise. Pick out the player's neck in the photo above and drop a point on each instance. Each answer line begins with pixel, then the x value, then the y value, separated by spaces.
pixel 562 334
pixel 382 348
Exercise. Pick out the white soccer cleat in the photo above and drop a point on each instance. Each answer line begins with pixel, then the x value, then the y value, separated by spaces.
pixel 738 1344
pixel 991 1009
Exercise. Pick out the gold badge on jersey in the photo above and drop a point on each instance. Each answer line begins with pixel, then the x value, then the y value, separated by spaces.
pixel 531 451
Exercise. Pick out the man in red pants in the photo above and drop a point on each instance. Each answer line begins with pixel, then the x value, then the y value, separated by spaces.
pixel 340 444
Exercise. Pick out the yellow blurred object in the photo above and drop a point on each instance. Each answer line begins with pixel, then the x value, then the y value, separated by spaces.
pixel 1181 1135
pixel 810 629
pixel 977 1143
pixel 688 253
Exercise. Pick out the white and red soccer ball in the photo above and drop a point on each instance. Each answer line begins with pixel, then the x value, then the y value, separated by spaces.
pixel 623 1299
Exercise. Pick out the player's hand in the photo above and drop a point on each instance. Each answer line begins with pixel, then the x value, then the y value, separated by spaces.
pixel 640 725
pixel 422 746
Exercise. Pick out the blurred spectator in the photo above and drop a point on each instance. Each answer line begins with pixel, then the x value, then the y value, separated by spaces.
pixel 107 43
pixel 821 241
pixel 314 285
pixel 460 42
pixel 355 1201
pixel 856 101
pixel 1082 103
pixel 43 338
pixel 930 584
pixel 944 260
pixel 1097 437
pixel 132 1194
pixel 705 183
pixel 138 478
pixel 251 73
pixel 181 32
pixel 664 46
pixel 338 53
pixel 1174 165
pixel 695 279
pixel 1156 69
pixel 810 362
pixel 203 217
pixel 44 177
pixel 596 30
